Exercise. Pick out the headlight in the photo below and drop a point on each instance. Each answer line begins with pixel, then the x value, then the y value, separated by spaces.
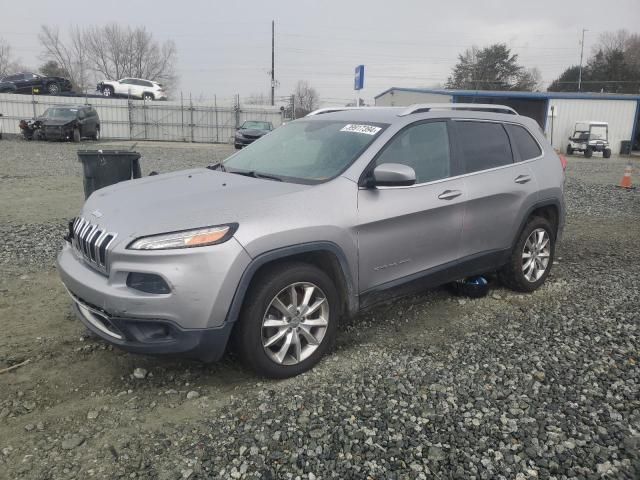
pixel 239 135
pixel 197 237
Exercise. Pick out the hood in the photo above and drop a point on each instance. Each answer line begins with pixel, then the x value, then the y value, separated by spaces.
pixel 254 132
pixel 182 200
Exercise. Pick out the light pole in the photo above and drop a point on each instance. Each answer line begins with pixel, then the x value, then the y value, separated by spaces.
pixel 581 57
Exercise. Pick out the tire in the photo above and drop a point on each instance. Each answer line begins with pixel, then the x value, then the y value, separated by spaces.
pixel 251 335
pixel 96 136
pixel 107 91
pixel 147 96
pixel 238 147
pixel 76 135
pixel 606 153
pixel 588 152
pixel 53 88
pixel 569 150
pixel 512 275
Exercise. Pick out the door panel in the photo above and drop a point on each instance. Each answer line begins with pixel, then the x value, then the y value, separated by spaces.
pixel 496 204
pixel 497 189
pixel 404 231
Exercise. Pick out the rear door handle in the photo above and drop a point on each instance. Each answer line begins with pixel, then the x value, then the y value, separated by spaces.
pixel 523 179
pixel 449 194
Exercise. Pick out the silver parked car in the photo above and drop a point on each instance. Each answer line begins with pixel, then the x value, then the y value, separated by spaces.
pixel 321 218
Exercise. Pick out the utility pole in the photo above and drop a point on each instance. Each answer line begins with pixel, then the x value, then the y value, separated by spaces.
pixel 581 56
pixel 273 63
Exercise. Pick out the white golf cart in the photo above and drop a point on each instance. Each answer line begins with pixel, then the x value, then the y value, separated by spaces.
pixel 589 137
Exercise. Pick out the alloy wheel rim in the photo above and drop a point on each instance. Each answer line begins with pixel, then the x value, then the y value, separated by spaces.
pixel 536 254
pixel 295 323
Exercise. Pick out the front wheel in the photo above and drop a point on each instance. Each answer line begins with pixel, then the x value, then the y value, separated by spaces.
pixel 76 135
pixel 147 96
pixel 588 152
pixel 289 320
pixel 531 258
pixel 96 136
pixel 107 91
pixel 606 153
pixel 569 150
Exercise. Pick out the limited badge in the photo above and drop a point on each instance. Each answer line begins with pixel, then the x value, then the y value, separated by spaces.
pixel 366 129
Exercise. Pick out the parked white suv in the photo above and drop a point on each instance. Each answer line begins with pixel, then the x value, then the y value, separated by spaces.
pixel 132 87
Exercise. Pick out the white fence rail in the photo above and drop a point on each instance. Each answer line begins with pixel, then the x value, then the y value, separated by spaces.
pixel 176 121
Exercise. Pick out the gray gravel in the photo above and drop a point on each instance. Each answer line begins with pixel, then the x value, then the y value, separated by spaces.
pixel 509 386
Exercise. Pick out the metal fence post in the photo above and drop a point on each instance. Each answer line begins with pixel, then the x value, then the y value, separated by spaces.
pixel 144 109
pixel 182 116
pixel 191 108
pixel 33 103
pixel 215 107
pixel 130 109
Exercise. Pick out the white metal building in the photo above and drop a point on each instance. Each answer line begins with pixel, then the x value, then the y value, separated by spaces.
pixel 556 112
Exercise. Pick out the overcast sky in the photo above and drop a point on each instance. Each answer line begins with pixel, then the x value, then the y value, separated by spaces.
pixel 225 47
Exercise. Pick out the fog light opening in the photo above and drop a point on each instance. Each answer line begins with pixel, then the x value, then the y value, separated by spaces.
pixel 148 283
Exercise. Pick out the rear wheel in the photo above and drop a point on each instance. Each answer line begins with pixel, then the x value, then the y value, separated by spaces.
pixel 606 153
pixel 76 135
pixel 147 96
pixel 289 320
pixel 96 136
pixel 531 258
pixel 569 150
pixel 107 91
pixel 53 89
pixel 588 152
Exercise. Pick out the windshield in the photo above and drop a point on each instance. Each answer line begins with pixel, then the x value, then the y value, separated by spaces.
pixel 60 113
pixel 256 125
pixel 598 132
pixel 310 151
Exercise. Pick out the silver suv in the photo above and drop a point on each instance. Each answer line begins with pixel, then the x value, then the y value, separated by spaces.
pixel 319 219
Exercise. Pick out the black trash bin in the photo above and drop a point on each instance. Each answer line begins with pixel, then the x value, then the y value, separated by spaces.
pixel 625 147
pixel 106 167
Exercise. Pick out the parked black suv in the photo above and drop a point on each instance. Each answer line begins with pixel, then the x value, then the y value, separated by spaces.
pixel 28 82
pixel 64 123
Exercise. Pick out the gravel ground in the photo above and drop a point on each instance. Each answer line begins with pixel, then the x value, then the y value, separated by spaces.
pixel 544 385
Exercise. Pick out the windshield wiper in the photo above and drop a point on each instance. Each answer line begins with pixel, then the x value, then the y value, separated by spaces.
pixel 254 174
pixel 217 166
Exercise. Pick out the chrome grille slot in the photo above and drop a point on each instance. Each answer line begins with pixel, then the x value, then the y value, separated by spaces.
pixel 92 242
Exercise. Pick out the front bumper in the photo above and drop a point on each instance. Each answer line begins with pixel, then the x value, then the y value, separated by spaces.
pixel 189 320
pixel 245 141
pixel 154 337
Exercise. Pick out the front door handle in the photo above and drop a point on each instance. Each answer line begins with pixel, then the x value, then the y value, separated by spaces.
pixel 449 194
pixel 523 179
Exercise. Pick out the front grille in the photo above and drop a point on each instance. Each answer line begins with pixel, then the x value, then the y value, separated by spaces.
pixel 92 242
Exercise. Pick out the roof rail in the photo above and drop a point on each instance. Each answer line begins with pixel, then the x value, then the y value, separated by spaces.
pixel 481 107
pixel 320 111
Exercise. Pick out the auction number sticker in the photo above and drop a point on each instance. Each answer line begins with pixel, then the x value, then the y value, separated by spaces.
pixel 366 129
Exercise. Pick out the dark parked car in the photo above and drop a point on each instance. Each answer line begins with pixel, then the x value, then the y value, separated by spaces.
pixel 250 131
pixel 64 123
pixel 28 82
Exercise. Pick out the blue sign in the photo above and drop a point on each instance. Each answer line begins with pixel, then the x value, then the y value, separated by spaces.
pixel 358 83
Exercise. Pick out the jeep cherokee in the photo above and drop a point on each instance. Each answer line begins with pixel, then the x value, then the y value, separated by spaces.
pixel 321 218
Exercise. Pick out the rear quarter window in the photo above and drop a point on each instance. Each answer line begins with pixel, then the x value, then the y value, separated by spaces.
pixel 523 142
pixel 484 145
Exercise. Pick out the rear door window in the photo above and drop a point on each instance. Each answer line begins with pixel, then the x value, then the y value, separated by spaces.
pixel 523 142
pixel 483 145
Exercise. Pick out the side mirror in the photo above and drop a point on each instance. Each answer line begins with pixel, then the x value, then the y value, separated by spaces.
pixel 393 175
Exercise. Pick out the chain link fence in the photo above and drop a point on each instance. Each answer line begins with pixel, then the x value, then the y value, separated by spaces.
pixel 181 120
